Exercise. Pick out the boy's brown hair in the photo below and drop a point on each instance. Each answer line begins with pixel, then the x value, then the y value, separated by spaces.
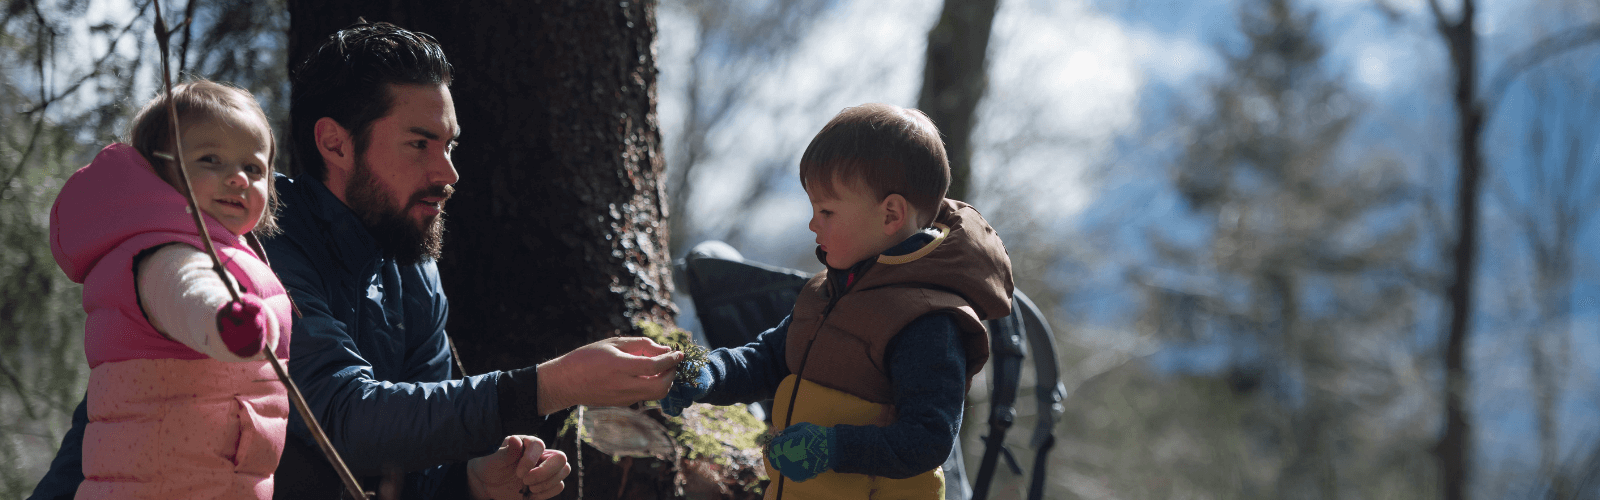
pixel 885 148
pixel 196 100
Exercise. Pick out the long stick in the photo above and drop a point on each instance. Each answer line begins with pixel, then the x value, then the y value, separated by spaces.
pixel 162 37
pixel 300 405
pixel 177 147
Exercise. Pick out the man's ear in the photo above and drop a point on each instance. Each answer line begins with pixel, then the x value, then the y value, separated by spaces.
pixel 896 213
pixel 335 145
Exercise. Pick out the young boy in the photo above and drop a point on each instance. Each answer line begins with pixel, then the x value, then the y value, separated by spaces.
pixel 869 372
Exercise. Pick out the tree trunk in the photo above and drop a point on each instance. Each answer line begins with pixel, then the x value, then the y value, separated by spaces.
pixel 555 237
pixel 1455 445
pixel 954 80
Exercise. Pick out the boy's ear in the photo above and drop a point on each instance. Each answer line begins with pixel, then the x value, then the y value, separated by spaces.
pixel 896 213
pixel 335 145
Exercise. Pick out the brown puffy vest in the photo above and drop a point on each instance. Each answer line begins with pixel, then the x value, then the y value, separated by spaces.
pixel 841 342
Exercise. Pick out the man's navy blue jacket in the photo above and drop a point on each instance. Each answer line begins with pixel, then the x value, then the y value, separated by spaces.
pixel 370 354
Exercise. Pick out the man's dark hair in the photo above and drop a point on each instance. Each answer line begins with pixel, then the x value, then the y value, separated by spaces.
pixel 347 78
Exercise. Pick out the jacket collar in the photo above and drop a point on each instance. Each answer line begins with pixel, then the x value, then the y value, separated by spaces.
pixel 843 279
pixel 966 257
pixel 352 245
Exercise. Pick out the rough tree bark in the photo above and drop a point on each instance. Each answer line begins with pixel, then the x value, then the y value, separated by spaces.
pixel 555 237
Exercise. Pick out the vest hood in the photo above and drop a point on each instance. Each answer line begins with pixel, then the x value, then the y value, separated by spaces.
pixel 113 198
pixel 968 259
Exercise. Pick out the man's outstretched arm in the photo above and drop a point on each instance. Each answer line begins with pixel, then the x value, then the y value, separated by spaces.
pixel 374 423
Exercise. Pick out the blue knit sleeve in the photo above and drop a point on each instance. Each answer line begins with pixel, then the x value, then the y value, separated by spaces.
pixel 751 372
pixel 928 371
pixel 66 471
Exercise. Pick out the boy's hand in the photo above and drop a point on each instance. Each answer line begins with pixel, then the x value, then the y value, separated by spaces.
pixel 803 450
pixel 245 325
pixel 684 394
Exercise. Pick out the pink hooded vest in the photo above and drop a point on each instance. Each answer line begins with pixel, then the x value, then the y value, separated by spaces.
pixel 165 421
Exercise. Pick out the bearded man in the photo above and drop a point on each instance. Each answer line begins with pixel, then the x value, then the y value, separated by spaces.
pixel 362 224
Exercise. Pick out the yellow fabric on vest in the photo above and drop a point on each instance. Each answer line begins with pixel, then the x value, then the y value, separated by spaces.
pixel 829 407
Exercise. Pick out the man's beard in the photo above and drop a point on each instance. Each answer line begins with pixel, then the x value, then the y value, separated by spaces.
pixel 398 236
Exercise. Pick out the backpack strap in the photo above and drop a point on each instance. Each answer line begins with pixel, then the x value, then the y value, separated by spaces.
pixel 1047 374
pixel 1007 352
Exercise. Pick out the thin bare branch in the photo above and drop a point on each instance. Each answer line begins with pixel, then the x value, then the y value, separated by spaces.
pixel 1539 52
pixel 27 402
pixel 94 70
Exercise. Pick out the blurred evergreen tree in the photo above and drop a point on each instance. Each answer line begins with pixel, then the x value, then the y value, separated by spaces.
pixel 42 368
pixel 66 93
pixel 1302 275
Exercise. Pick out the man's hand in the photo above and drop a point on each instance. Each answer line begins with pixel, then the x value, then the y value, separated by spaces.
pixel 617 371
pixel 520 469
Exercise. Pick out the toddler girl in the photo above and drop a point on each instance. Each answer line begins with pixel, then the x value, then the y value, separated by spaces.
pixel 182 401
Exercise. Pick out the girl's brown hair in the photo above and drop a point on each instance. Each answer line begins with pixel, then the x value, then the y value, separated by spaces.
pixel 196 100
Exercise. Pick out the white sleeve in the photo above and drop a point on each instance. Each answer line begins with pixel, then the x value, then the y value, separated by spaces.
pixel 180 294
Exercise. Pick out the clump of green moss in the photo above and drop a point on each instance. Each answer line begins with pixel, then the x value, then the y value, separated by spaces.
pixel 574 422
pixel 712 432
pixel 694 355
pixel 727 436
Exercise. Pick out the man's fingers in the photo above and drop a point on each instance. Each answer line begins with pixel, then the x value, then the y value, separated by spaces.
pixel 554 486
pixel 647 366
pixel 511 446
pixel 552 467
pixel 640 346
pixel 532 451
pixel 546 491
pixel 532 447
pixel 665 362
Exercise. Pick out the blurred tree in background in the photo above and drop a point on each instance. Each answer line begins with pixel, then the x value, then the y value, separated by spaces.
pixel 41 353
pixel 954 79
pixel 733 44
pixel 65 92
pixel 42 128
pixel 1300 275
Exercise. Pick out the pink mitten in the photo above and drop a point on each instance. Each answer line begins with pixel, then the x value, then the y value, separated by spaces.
pixel 243 325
